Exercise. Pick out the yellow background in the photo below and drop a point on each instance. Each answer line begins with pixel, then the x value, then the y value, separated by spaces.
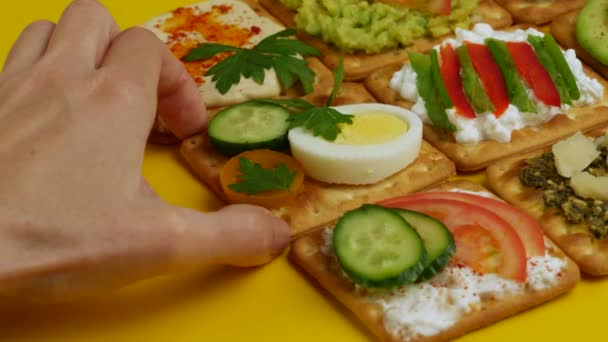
pixel 273 303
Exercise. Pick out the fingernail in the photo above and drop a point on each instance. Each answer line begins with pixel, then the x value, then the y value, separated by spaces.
pixel 282 235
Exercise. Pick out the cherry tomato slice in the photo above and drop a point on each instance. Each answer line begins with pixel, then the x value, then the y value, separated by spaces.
pixel 450 74
pixel 490 76
pixel 534 73
pixel 443 7
pixel 457 214
pixel 268 159
pixel 526 227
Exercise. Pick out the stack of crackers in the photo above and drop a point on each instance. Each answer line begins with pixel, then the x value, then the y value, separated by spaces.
pixel 367 76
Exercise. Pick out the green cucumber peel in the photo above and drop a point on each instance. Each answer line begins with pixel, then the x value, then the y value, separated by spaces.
pixel 562 66
pixel 546 60
pixel 515 86
pixel 434 106
pixel 473 89
pixel 438 81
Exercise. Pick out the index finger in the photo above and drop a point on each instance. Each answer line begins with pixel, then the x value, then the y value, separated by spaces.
pixel 140 56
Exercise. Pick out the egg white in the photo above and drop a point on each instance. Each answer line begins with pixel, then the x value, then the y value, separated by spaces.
pixel 331 162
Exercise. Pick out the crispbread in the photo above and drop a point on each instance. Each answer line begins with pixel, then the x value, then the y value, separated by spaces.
pixel 563 28
pixel 319 203
pixel 589 253
pixel 307 253
pixel 539 12
pixel 359 65
pixel 478 156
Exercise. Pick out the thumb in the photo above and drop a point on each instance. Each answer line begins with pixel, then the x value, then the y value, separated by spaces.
pixel 240 235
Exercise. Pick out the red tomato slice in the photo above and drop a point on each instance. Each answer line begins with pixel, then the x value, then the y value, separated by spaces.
pixel 527 228
pixel 490 76
pixel 450 73
pixel 456 215
pixel 443 7
pixel 477 248
pixel 534 73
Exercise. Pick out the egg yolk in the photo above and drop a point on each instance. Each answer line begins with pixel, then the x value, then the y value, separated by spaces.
pixel 371 128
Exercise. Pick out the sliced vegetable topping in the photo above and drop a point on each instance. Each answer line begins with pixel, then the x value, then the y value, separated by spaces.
pixel 377 248
pixel 438 240
pixel 534 73
pixel 263 177
pixel 562 66
pixel 428 91
pixel 450 73
pixel 515 87
pixel 443 7
pixel 446 102
pixel 490 76
pixel 473 89
pixel 458 215
pixel 248 126
pixel 526 227
pixel 545 59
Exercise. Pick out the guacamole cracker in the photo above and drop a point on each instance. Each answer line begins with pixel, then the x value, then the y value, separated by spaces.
pixel 563 29
pixel 318 203
pixel 539 12
pixel 399 314
pixel 359 64
pixel 576 239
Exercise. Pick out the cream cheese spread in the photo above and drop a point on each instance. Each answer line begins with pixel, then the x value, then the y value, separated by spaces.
pixel 486 126
pixel 429 307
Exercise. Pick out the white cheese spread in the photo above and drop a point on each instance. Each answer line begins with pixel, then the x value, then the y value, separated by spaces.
pixel 486 126
pixel 229 22
pixel 429 307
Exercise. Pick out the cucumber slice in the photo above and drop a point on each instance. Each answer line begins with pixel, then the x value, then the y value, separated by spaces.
pixel 376 247
pixel 249 126
pixel 438 240
pixel 592 29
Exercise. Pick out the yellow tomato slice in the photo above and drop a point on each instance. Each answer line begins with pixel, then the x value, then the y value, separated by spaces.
pixel 268 159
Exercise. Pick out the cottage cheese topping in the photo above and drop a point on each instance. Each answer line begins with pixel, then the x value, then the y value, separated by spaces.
pixel 228 22
pixel 429 307
pixel 486 126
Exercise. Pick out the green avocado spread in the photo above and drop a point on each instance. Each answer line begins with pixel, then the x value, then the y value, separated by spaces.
pixel 541 173
pixel 363 25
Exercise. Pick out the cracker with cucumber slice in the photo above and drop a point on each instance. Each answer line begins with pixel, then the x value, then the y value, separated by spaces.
pixel 477 156
pixel 590 253
pixel 539 12
pixel 358 65
pixel 318 202
pixel 310 254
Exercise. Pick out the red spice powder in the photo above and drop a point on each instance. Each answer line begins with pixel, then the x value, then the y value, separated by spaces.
pixel 185 21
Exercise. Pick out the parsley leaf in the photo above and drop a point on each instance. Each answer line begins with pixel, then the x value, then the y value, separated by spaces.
pixel 254 178
pixel 324 121
pixel 275 51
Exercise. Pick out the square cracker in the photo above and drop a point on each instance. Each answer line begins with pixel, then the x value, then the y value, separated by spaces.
pixel 590 253
pixel 539 12
pixel 306 252
pixel 318 202
pixel 358 65
pixel 477 156
pixel 563 28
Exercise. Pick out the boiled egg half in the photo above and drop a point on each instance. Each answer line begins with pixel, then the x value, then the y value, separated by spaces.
pixel 381 141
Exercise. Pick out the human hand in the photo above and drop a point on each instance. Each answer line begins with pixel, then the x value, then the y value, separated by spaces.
pixel 77 101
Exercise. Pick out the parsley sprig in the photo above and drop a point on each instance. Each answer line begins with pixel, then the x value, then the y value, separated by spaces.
pixel 321 121
pixel 255 179
pixel 276 52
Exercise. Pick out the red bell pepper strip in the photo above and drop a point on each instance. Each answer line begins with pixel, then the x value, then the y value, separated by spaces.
pixel 534 73
pixel 450 73
pixel 490 76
